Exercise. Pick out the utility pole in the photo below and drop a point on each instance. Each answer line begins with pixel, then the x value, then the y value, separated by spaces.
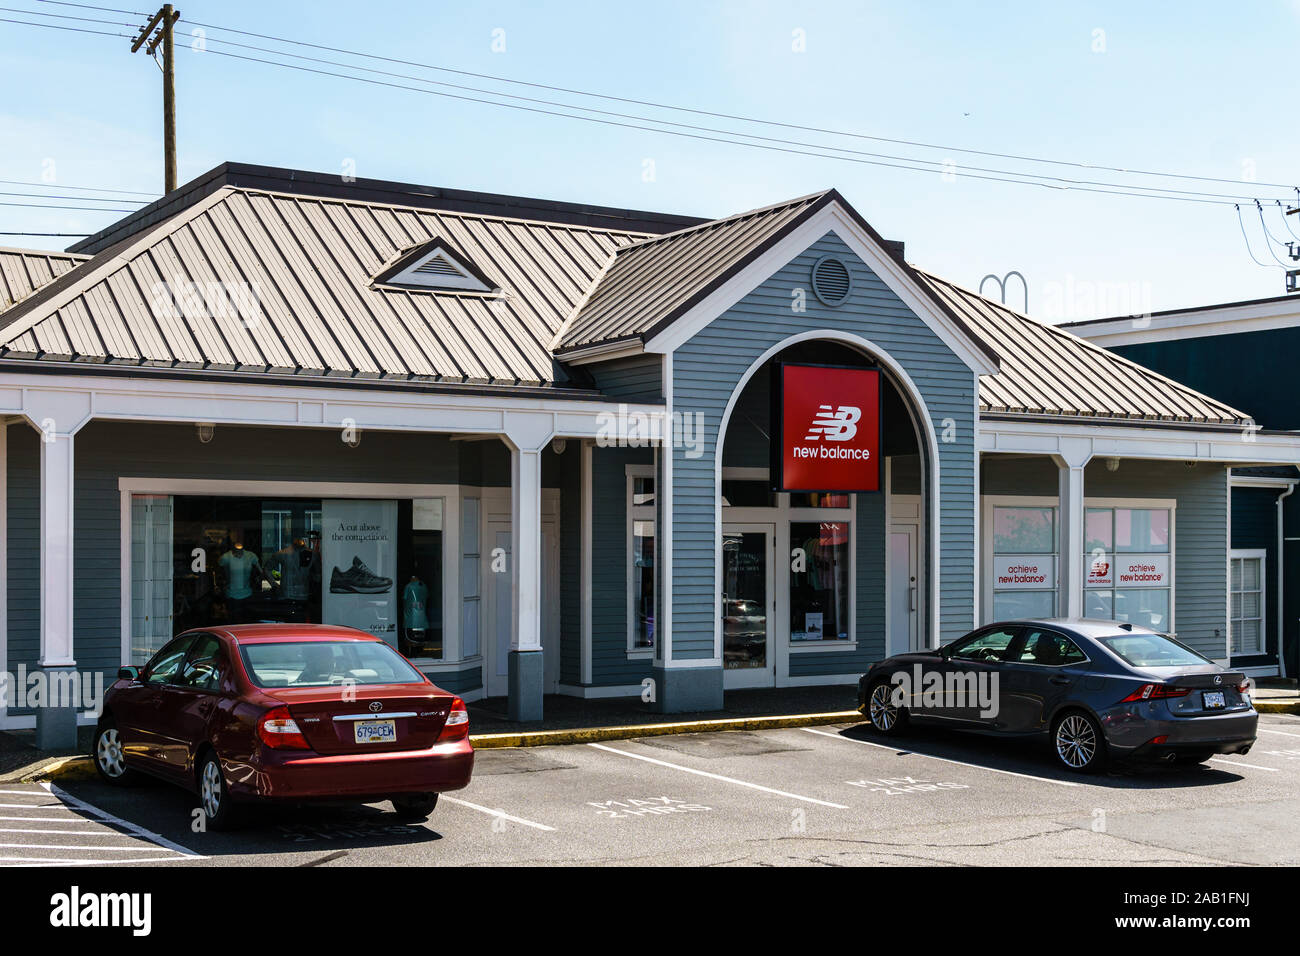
pixel 160 26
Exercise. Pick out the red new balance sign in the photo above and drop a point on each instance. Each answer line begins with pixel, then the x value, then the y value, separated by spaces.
pixel 830 428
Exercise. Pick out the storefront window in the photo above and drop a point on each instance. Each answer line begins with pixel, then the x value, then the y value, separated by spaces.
pixel 205 560
pixel 819 580
pixel 641 590
pixel 1024 562
pixel 1129 565
pixel 1247 603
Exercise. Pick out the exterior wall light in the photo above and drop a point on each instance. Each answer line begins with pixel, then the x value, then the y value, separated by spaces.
pixel 206 430
pixel 1112 464
pixel 558 445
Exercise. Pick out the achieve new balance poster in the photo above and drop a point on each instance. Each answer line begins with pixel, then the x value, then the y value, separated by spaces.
pixel 359 558
pixel 828 422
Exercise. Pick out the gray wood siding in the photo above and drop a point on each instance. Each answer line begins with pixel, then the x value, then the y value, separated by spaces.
pixel 707 369
pixel 24 559
pixel 570 478
pixel 637 379
pixel 1200 538
pixel 609 545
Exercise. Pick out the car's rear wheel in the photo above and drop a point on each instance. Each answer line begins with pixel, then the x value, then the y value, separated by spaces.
pixel 110 757
pixel 415 806
pixel 1078 742
pixel 883 711
pixel 214 796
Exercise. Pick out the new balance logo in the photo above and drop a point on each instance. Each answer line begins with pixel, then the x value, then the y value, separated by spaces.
pixel 834 424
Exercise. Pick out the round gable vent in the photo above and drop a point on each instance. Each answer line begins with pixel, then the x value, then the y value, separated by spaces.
pixel 831 280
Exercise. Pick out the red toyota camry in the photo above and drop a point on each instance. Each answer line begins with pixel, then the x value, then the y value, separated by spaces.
pixel 285 712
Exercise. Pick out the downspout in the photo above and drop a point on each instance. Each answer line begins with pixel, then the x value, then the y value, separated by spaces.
pixel 1281 619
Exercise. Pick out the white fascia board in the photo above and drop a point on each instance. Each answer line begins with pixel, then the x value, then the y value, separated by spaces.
pixel 310 405
pixel 1223 320
pixel 1261 481
pixel 602 352
pixel 833 218
pixel 1117 441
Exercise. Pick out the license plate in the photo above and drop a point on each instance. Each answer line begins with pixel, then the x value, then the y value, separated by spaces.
pixel 1213 700
pixel 375 731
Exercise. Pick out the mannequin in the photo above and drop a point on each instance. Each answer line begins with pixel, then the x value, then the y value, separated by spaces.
pixel 415 616
pixel 241 569
pixel 298 572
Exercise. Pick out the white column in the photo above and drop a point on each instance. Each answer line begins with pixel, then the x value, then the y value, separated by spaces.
pixel 56 549
pixel 526 547
pixel 1071 558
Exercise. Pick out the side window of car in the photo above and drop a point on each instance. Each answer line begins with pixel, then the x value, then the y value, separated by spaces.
pixel 167 662
pixel 203 670
pixel 990 645
pixel 1050 649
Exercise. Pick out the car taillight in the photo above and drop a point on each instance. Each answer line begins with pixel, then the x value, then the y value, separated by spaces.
pixel 1244 687
pixel 457 725
pixel 279 730
pixel 1156 692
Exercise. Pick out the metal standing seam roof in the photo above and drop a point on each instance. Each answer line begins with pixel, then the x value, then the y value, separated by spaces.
pixel 24 271
pixel 308 264
pixel 651 282
pixel 1048 371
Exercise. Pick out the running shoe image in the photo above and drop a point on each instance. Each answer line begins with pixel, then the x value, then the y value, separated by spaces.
pixel 358 579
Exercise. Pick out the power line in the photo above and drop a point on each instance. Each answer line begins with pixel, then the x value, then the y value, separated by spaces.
pixel 770 139
pixel 720 115
pixel 1242 224
pixel 93 189
pixel 37 205
pixel 78 235
pixel 87 6
pixel 74 198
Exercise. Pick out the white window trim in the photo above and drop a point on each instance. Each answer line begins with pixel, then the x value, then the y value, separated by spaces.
pixel 309 489
pixel 632 514
pixel 1151 503
pixel 988 504
pixel 1251 554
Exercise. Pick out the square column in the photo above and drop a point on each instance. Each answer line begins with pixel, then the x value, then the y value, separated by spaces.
pixel 56 721
pixel 525 677
pixel 1071 559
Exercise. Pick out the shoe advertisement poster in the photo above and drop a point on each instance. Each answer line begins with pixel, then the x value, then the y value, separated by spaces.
pixel 359 561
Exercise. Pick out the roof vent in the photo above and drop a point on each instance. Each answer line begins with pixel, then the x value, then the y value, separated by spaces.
pixel 435 265
pixel 831 280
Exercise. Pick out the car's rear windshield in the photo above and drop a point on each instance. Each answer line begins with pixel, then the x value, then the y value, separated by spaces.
pixel 1152 650
pixel 322 663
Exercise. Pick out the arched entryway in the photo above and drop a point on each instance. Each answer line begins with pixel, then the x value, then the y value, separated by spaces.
pixel 811 586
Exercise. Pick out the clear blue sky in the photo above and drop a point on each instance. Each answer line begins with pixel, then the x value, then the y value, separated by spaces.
pixel 1198 88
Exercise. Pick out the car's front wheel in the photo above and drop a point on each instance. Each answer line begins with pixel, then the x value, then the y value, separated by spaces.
pixel 886 716
pixel 415 806
pixel 1078 742
pixel 110 757
pixel 219 810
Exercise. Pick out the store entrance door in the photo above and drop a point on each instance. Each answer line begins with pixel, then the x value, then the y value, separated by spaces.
pixel 748 605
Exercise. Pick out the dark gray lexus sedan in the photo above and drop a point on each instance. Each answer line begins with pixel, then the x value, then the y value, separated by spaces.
pixel 1101 689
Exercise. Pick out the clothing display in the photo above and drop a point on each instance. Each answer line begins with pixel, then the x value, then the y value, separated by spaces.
pixel 415 602
pixel 298 567
pixel 239 565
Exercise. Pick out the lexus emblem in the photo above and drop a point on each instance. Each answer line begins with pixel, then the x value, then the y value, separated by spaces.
pixel 1218 678
pixel 376 706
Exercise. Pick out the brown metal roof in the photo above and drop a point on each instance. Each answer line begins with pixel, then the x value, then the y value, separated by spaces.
pixel 1047 371
pixel 652 282
pixel 304 267
pixel 24 271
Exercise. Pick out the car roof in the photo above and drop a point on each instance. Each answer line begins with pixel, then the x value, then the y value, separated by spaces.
pixel 273 633
pixel 1087 626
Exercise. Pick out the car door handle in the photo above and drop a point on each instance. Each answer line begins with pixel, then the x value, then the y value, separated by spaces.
pixel 1063 681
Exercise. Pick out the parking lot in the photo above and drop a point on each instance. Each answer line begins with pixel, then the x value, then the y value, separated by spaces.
pixel 833 795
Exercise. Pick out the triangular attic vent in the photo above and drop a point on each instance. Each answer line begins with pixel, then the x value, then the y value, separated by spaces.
pixel 434 265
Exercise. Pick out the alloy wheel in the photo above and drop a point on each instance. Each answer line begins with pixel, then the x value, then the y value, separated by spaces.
pixel 210 789
pixel 109 753
pixel 881 709
pixel 1076 741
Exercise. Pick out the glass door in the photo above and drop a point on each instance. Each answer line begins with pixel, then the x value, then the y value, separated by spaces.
pixel 747 605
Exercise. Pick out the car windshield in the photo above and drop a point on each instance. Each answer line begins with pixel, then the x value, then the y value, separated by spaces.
pixel 321 663
pixel 1152 650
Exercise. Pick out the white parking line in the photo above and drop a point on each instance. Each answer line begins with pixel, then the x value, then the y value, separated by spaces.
pixel 1252 766
pixel 716 776
pixel 960 763
pixel 68 846
pixel 51 861
pixel 33 806
pixel 1281 733
pixel 498 813
pixel 127 825
pixel 63 832
pixel 46 820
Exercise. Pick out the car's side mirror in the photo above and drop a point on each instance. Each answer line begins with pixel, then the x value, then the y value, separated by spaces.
pixel 128 672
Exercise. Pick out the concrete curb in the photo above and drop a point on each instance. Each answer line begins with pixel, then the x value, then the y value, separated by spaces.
pixel 1277 706
pixel 65 768
pixel 585 735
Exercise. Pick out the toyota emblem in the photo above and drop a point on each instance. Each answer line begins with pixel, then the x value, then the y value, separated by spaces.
pixel 376 706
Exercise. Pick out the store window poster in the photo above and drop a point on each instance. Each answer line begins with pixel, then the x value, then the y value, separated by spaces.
pixel 359 556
